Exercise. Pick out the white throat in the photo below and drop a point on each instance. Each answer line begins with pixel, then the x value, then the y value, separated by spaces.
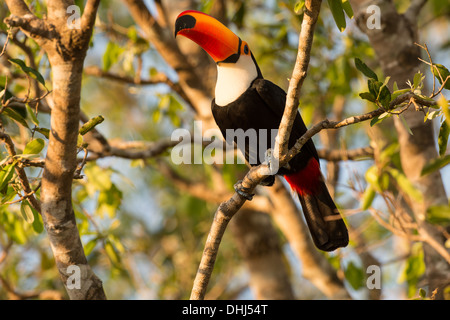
pixel 233 79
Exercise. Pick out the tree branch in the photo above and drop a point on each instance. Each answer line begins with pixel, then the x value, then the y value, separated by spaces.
pixel 312 9
pixel 31 25
pixel 227 209
pixel 344 154
pixel 156 79
pixel 18 7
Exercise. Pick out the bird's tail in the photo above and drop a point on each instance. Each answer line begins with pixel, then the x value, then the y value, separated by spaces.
pixel 325 224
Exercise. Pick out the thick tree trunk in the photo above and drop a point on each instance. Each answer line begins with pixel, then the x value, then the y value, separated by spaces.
pixel 66 49
pixel 259 245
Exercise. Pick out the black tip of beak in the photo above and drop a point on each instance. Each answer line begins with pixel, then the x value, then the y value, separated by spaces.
pixel 184 22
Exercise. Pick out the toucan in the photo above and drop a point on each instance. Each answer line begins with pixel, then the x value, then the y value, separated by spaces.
pixel 245 100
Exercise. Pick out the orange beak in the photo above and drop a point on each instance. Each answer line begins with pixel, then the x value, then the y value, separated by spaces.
pixel 215 38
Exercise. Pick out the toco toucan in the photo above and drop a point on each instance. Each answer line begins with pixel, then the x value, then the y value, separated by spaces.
pixel 245 100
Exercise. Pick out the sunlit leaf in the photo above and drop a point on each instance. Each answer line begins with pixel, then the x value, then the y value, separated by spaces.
pixel 405 184
pixel 347 8
pixel 111 55
pixel 435 164
pixel 13 114
pixel 26 211
pixel 441 73
pixel 444 133
pixel 29 71
pixel 6 175
pixel 368 197
pixel 32 115
pixel 34 146
pixel 338 13
pixel 439 214
pixel 361 66
pixel 355 276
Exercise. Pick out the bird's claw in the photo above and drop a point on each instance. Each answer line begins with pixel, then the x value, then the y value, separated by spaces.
pixel 271 161
pixel 243 191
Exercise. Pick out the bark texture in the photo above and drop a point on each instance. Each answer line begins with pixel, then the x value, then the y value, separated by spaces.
pixel 66 49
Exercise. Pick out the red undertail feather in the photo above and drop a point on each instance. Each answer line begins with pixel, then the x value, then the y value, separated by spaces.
pixel 325 224
pixel 307 180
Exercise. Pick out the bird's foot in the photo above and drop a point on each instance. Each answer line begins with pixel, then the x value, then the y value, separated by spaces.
pixel 243 191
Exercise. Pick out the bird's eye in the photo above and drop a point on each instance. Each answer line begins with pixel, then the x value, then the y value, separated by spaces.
pixel 246 49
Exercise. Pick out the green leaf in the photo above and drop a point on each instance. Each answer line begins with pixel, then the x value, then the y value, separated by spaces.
pixel 406 185
pixel 26 211
pixel 338 13
pixel 374 86
pixel 368 197
pixel 355 276
pixel 372 175
pixel 444 133
pixel 44 131
pixel 422 293
pixel 29 71
pixel 361 66
pixel 90 246
pixel 34 146
pixel 367 96
pixel 111 55
pixel 405 124
pixel 439 214
pixel 374 121
pixel 111 252
pixel 13 114
pixel 6 175
pixel 32 115
pixel 414 268
pixel 347 8
pixel 38 224
pixel 299 6
pixel 441 71
pixel 397 93
pixel 418 80
pixel 435 164
pixel 91 124
pixel 384 96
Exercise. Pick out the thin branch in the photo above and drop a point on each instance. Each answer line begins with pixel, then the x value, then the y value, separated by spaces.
pixel 344 155
pixel 89 14
pixel 156 79
pixel 201 191
pixel 33 26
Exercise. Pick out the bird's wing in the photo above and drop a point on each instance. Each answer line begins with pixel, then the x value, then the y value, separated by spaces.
pixel 275 99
